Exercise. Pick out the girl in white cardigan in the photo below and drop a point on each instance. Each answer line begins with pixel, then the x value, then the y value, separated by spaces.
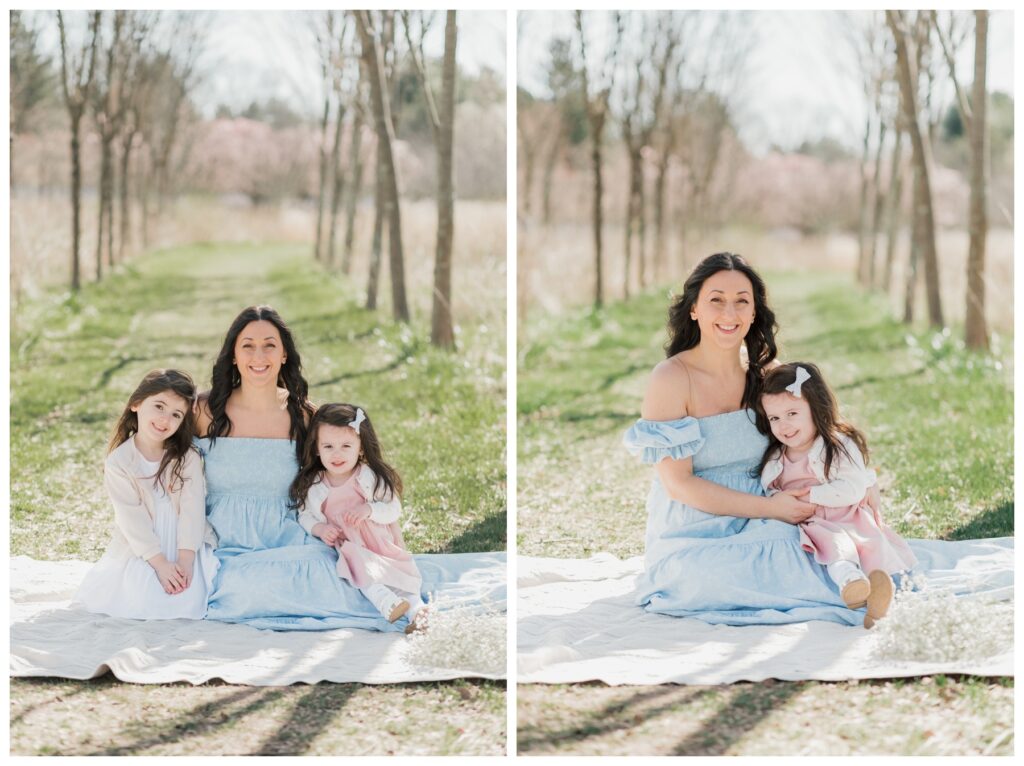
pixel 810 447
pixel 159 563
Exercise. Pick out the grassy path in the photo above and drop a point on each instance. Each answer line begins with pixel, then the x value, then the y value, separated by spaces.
pixel 939 423
pixel 441 421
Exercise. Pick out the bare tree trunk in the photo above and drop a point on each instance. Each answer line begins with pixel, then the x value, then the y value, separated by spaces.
pixel 104 201
pixel 337 185
pixel 124 239
pixel 914 258
pixel 76 84
pixel 322 177
pixel 550 164
pixel 355 184
pixel 76 200
pixel 862 207
pixel 660 187
pixel 975 329
pixel 385 136
pixel 596 163
pixel 378 229
pixel 922 162
pixel 442 330
pixel 879 201
pixel 631 214
pixel 894 197
pixel 641 218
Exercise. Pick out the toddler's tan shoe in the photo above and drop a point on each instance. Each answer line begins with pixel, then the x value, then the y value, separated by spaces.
pixel 855 593
pixel 880 598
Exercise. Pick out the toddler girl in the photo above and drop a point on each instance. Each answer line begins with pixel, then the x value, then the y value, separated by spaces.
pixel 158 565
pixel 348 497
pixel 810 446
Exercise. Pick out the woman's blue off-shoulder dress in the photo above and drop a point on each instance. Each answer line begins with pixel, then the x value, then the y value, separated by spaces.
pixel 272 574
pixel 724 569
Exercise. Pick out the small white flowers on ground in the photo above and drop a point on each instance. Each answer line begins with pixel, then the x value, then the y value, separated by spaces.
pixel 933 625
pixel 460 637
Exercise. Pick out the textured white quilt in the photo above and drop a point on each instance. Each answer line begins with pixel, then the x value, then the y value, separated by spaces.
pixel 50 639
pixel 577 621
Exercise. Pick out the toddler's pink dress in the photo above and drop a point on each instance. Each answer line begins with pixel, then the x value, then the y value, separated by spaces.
pixel 848 533
pixel 371 552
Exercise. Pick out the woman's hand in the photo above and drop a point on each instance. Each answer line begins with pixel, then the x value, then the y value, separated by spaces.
pixel 168 574
pixel 357 514
pixel 186 562
pixel 329 533
pixel 788 506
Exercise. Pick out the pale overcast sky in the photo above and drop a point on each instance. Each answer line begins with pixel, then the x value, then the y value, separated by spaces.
pixel 801 77
pixel 266 53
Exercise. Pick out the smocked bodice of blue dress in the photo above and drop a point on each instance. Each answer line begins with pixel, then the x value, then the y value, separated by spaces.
pixel 716 567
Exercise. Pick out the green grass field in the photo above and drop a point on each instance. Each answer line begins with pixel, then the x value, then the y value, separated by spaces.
pixel 441 421
pixel 939 421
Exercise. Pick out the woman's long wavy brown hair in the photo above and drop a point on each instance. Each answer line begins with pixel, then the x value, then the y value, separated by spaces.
pixel 311 468
pixel 824 412
pixel 180 442
pixel 684 332
pixel 226 378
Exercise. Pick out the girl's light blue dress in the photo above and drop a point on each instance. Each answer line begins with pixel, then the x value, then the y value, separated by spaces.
pixel 272 574
pixel 724 569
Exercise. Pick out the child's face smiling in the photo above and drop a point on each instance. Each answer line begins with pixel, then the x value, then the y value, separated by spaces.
pixel 160 416
pixel 339 449
pixel 790 420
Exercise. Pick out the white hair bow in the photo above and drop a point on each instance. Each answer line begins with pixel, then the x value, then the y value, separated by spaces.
pixel 360 417
pixel 801 376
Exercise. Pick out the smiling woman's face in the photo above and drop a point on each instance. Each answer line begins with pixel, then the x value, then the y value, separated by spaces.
pixel 259 353
pixel 724 309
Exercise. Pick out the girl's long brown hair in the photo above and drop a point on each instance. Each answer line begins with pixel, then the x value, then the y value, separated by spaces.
pixel 311 469
pixel 176 446
pixel 824 413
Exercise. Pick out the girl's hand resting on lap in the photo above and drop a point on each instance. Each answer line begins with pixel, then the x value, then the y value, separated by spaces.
pixel 185 563
pixel 788 506
pixel 329 533
pixel 168 574
pixel 360 513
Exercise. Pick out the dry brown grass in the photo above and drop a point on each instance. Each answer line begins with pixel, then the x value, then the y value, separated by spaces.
pixel 41 244
pixel 556 265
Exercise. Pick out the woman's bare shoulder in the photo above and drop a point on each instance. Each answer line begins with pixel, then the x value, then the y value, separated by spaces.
pixel 668 390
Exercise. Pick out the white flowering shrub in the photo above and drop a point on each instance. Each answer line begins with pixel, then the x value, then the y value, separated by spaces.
pixel 460 637
pixel 932 625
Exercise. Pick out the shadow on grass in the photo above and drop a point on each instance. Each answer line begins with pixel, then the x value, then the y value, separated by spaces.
pixel 199 721
pixel 617 716
pixel 747 708
pixel 310 716
pixel 487 534
pixel 994 522
pixel 407 353
pixel 57 697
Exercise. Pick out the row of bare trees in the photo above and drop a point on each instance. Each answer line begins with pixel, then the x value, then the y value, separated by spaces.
pixel 671 109
pixel 904 56
pixel 131 72
pixel 360 65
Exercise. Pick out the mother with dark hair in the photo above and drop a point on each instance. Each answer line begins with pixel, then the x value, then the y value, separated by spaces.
pixel 716 547
pixel 253 424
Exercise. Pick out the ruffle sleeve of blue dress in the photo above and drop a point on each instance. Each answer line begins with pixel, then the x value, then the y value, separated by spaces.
pixel 655 440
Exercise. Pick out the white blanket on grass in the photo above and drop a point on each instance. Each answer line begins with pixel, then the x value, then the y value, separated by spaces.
pixel 577 621
pixel 50 638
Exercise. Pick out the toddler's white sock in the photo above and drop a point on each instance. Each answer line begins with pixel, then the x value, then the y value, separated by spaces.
pixel 843 572
pixel 381 596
